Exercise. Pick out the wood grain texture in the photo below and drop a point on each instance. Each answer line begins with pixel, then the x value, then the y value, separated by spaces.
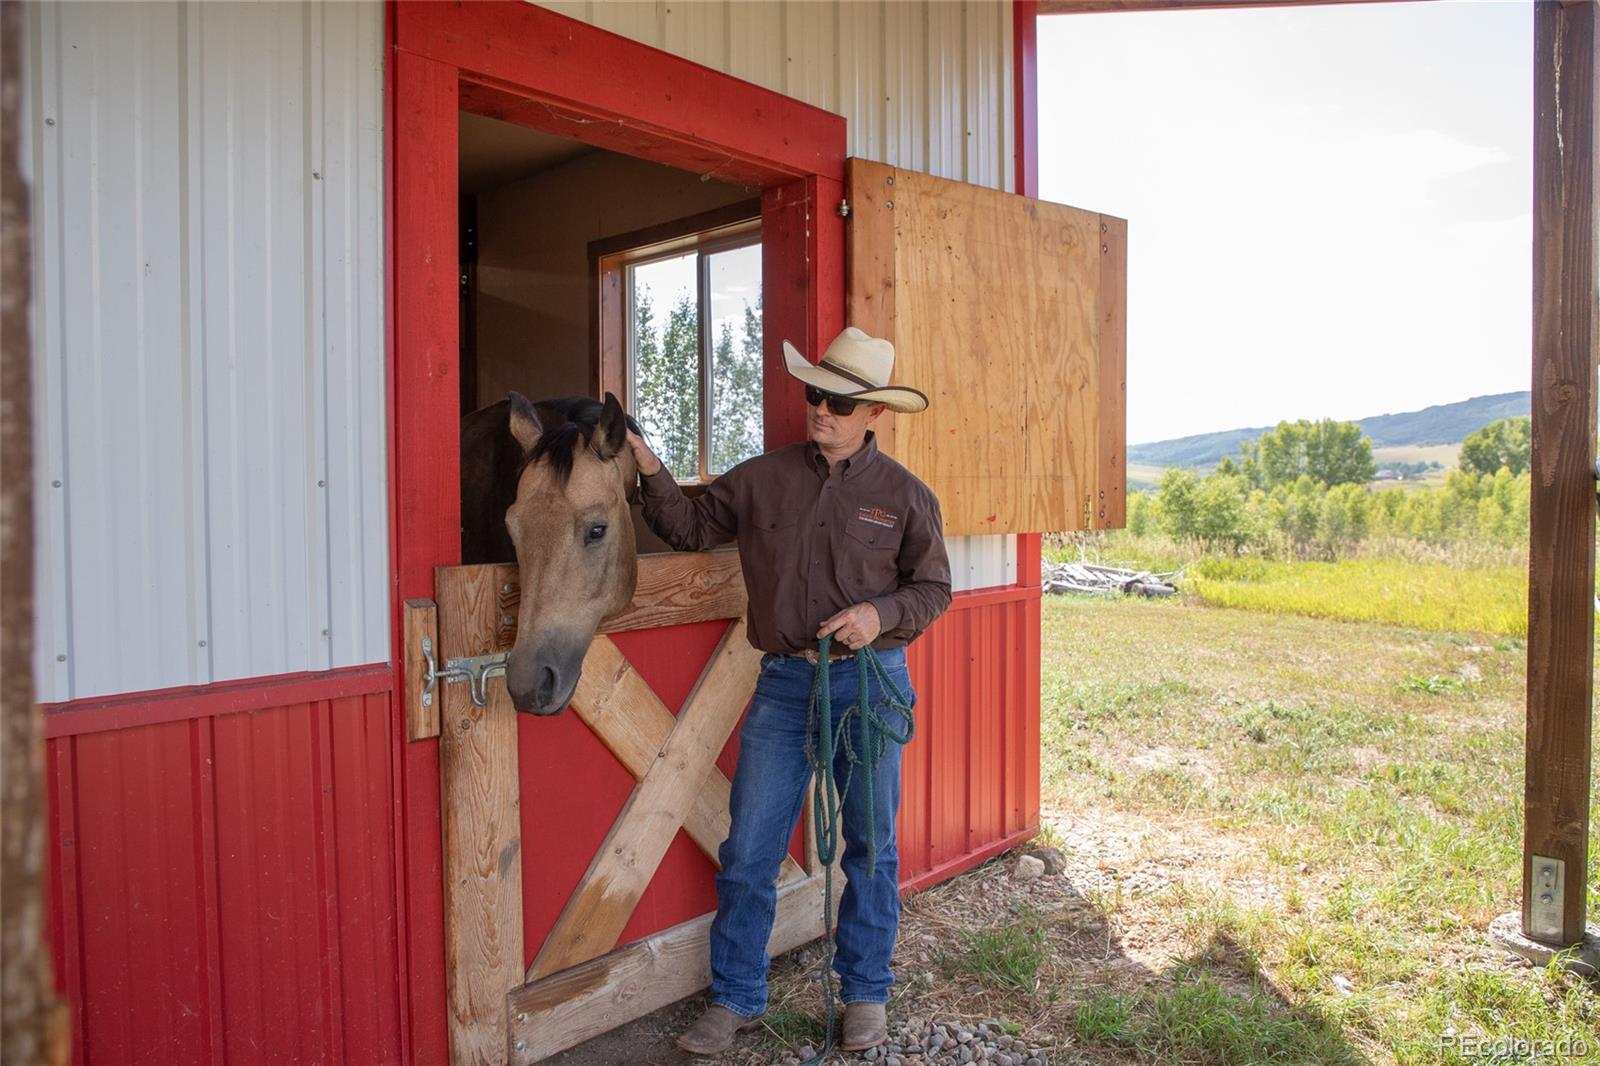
pixel 479 793
pixel 1561 557
pixel 555 1013
pixel 632 722
pixel 996 314
pixel 869 272
pixel 1110 504
pixel 605 898
pixel 421 619
pixel 35 1022
pixel 673 588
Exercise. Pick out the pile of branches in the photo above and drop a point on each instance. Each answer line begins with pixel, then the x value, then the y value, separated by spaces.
pixel 1100 580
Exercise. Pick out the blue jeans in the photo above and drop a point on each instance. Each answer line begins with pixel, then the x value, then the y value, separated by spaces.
pixel 769 786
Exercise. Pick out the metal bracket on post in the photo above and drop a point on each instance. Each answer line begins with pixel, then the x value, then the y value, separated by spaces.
pixel 476 670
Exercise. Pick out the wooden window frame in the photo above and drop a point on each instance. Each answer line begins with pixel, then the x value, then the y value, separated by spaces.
pixel 736 225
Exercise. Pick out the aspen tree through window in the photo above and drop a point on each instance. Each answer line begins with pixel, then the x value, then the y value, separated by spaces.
pixel 689 311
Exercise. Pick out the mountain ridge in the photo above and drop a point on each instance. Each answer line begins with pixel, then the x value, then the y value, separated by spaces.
pixel 1445 423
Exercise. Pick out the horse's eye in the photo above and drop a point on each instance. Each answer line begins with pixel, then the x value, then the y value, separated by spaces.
pixel 596 532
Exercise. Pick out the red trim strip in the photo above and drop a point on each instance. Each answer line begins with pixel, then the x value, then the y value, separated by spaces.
pixel 204 701
pixel 946 870
pixel 1025 82
pixel 962 601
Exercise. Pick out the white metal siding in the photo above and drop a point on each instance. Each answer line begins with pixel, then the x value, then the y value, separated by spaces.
pixel 922 84
pixel 208 323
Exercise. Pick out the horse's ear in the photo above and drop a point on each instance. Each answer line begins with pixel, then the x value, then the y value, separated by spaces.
pixel 525 424
pixel 613 435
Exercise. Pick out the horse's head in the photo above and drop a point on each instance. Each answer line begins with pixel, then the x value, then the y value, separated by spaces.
pixel 574 543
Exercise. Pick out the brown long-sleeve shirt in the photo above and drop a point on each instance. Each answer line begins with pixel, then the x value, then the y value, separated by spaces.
pixel 814 541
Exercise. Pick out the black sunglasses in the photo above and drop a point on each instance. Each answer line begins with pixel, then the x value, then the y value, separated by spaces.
pixel 839 405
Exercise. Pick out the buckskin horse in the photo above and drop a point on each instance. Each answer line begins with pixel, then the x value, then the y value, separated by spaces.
pixel 547 486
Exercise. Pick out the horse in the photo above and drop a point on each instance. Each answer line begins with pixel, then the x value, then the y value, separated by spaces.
pixel 547 486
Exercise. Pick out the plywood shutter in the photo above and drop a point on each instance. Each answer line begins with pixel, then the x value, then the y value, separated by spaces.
pixel 1010 314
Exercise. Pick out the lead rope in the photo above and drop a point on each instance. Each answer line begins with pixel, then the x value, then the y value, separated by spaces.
pixel 822 740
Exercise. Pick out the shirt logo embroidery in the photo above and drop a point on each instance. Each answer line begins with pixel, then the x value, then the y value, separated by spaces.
pixel 878 517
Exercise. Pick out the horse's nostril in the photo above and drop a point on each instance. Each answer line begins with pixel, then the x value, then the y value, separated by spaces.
pixel 546 689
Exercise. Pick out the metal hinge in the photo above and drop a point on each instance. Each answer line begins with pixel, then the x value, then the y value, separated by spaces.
pixel 476 670
pixel 844 208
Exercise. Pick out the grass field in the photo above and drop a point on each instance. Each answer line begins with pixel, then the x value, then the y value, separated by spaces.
pixel 1331 816
pixel 1433 596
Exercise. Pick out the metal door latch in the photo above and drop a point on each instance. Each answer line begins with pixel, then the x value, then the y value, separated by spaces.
pixel 476 670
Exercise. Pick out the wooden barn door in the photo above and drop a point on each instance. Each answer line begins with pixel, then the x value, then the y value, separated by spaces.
pixel 580 983
pixel 1010 313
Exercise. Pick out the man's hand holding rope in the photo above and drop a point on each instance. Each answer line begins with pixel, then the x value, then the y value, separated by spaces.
pixel 854 627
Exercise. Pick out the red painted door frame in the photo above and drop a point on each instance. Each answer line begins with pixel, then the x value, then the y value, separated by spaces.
pixel 528 65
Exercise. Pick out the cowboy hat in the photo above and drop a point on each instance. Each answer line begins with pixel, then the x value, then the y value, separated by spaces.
pixel 856 366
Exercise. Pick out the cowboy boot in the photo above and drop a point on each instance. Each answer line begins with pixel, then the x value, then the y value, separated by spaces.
pixel 714 1030
pixel 865 1025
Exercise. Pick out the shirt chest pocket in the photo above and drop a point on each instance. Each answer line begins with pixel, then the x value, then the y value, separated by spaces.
pixel 870 561
pixel 773 537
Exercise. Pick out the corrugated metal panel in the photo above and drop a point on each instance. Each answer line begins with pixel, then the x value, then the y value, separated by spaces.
pixel 965 779
pixel 208 221
pixel 922 84
pixel 223 888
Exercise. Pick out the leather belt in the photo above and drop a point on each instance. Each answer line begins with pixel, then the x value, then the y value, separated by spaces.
pixel 810 655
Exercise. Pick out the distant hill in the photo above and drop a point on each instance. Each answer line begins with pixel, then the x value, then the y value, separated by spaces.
pixel 1445 423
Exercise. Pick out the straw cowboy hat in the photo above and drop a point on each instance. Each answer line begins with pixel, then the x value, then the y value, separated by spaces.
pixel 857 366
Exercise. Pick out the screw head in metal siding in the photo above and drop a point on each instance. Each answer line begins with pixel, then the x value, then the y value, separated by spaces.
pixel 55 484
pixel 522 1045
pixel 49 122
pixel 202 643
pixel 322 484
pixel 61 658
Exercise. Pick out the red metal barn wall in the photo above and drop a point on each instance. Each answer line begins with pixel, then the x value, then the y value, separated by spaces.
pixel 214 621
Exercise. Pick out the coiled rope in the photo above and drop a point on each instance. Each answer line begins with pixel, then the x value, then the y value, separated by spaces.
pixel 823 740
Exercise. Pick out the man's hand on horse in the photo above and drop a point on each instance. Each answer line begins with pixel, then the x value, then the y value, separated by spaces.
pixel 855 627
pixel 643 457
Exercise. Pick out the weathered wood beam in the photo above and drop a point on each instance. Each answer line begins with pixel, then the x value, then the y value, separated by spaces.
pixel 1561 556
pixel 1103 7
pixel 557 1012
pixel 32 1025
pixel 479 790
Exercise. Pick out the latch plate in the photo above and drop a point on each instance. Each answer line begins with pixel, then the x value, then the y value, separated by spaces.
pixel 1546 896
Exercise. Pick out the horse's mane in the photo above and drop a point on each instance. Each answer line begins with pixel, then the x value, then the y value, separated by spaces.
pixel 572 421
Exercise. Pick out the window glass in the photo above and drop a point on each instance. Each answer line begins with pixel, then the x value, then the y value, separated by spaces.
pixel 665 359
pixel 734 281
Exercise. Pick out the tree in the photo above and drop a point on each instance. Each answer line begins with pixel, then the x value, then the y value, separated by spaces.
pixel 1329 452
pixel 1504 443
pixel 736 394
pixel 667 379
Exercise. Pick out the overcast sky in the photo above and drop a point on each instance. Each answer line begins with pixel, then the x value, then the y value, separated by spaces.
pixel 1329 208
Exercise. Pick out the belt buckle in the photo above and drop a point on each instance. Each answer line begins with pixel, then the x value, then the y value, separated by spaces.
pixel 811 656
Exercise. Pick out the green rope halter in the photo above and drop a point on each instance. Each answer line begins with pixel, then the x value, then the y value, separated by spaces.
pixel 823 739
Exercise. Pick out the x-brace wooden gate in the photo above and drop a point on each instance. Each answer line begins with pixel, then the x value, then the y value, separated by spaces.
pixel 580 983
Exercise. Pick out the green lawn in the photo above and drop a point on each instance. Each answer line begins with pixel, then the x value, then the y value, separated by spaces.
pixel 1342 802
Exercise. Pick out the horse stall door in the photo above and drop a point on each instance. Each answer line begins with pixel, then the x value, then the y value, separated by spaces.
pixel 504 857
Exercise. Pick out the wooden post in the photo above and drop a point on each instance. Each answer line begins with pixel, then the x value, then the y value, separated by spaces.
pixel 479 794
pixel 1561 557
pixel 31 1022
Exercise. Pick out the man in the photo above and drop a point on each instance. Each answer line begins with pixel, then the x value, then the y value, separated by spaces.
pixel 834 538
